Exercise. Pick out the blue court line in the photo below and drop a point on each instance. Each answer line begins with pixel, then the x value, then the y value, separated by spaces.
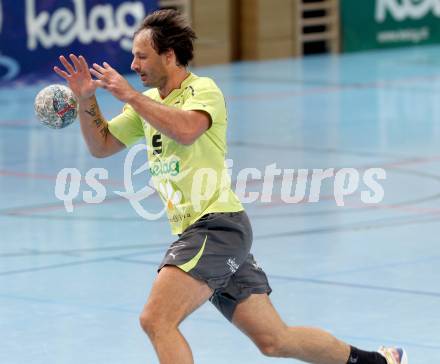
pixel 138 261
pixel 378 266
pixel 363 225
pixel 70 264
pixel 110 308
pixel 323 275
pixel 357 226
pixel 117 308
pixel 220 320
pixel 355 285
pixel 315 281
pixel 35 252
pixel 276 277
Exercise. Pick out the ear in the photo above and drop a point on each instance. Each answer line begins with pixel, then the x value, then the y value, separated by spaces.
pixel 170 57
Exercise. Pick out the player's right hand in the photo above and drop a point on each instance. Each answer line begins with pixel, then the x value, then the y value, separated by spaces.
pixel 78 76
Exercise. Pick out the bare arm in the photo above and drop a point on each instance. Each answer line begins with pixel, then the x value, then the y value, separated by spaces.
pixel 94 127
pixel 180 125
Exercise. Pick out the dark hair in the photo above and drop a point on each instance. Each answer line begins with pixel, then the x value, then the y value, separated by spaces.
pixel 170 30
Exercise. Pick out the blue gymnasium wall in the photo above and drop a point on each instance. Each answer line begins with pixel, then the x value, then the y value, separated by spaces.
pixel 33 33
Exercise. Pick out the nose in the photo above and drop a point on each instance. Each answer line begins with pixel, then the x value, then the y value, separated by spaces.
pixel 134 66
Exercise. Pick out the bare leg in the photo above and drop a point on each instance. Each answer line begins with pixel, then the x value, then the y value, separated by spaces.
pixel 174 295
pixel 258 319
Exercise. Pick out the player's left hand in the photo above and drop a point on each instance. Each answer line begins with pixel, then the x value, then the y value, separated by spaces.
pixel 111 80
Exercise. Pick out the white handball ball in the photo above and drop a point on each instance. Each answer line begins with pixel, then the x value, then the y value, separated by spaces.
pixel 56 106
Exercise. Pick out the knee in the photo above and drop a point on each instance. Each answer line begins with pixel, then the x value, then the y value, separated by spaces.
pixel 271 346
pixel 151 322
pixel 146 321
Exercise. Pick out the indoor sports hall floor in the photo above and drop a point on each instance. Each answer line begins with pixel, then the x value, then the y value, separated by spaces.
pixel 72 284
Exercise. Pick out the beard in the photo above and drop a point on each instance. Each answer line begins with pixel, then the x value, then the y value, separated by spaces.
pixel 153 82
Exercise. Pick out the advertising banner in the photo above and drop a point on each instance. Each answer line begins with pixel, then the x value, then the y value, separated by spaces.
pixel 368 24
pixel 33 33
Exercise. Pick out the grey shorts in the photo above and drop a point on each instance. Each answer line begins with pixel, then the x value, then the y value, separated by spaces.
pixel 216 250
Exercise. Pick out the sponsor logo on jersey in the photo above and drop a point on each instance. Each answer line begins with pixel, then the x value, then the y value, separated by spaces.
pixel 165 168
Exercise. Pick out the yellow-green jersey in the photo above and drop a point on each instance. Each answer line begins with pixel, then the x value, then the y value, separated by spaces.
pixel 192 180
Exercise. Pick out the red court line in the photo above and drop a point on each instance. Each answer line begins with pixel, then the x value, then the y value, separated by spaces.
pixel 420 210
pixel 57 206
pixel 391 165
pixel 405 162
pixel 9 173
pixel 277 202
pixel 17 123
